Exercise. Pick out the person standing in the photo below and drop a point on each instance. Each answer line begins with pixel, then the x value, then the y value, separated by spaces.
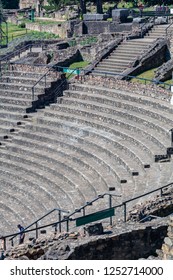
pixel 22 234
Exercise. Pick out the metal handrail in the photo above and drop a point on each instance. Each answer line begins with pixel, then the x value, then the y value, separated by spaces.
pixel 168 28
pixel 68 218
pixel 39 219
pixel 16 52
pixel 44 76
pixel 130 77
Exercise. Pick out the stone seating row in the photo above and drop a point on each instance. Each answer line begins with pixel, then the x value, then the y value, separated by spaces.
pixel 91 140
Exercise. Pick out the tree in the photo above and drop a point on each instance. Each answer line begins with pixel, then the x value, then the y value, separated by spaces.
pixel 10 4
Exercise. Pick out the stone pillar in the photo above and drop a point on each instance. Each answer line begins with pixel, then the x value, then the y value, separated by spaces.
pixel 167 247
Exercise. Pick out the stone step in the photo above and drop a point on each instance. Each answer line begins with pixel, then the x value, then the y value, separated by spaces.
pixel 28 74
pixel 131 47
pixel 16 116
pixel 92 148
pixel 37 134
pixel 45 129
pixel 17 93
pixel 125 124
pixel 25 80
pixel 124 95
pixel 144 107
pixel 29 139
pixel 122 155
pixel 57 169
pixel 122 58
pixel 102 72
pixel 111 69
pixel 147 146
pixel 25 88
pixel 137 42
pixel 127 52
pixel 33 196
pixel 48 186
pixel 12 108
pixel 63 163
pixel 117 61
pixel 23 102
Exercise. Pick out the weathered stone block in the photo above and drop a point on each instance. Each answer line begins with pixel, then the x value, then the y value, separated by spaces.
pixel 94 17
pixel 120 15
pixel 165 249
pixel 168 241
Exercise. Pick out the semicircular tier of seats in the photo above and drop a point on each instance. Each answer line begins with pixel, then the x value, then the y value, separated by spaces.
pixel 92 140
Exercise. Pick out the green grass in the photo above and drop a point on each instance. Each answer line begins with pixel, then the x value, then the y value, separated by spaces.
pixel 80 64
pixel 15 31
pixel 150 74
pixel 145 75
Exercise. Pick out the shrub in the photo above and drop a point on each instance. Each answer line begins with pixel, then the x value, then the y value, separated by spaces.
pixel 22 25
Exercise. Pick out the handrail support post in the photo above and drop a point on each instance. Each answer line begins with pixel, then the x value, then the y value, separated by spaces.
pixel 59 216
pixel 36 224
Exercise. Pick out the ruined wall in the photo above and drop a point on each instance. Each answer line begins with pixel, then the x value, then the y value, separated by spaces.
pixel 97 27
pixel 127 241
pixel 31 3
pixel 57 29
pixel 152 58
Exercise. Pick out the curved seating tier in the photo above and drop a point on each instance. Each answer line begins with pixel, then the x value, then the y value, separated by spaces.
pixel 92 140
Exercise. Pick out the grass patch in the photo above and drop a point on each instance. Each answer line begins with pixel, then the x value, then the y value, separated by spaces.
pixel 15 31
pixel 145 75
pixel 150 74
pixel 80 64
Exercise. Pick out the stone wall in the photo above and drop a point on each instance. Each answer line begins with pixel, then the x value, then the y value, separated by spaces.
pixel 97 27
pixel 57 29
pixel 152 90
pixel 164 72
pixel 31 3
pixel 167 247
pixel 125 241
pixel 151 58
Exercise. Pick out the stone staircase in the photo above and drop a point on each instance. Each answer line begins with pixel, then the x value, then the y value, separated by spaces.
pixel 122 57
pixel 93 139
pixel 16 104
pixel 158 31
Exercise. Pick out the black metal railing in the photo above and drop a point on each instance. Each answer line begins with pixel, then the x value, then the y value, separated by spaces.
pixel 69 218
pixel 129 77
pixel 44 78
pixel 5 60
pixel 38 220
pixel 168 27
